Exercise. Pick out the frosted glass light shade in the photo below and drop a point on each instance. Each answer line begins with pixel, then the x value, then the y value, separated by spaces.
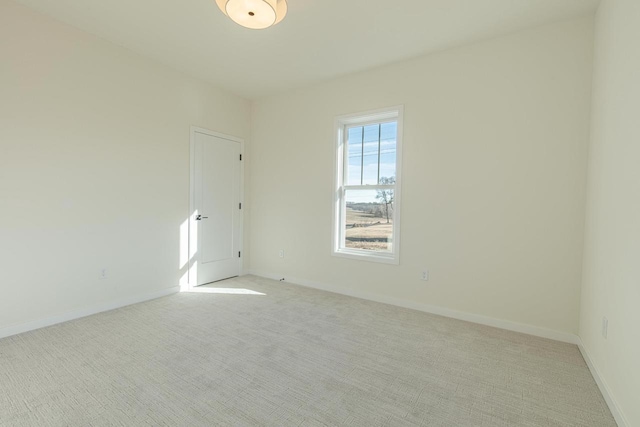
pixel 254 14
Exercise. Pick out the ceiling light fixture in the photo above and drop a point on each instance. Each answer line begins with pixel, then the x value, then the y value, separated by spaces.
pixel 254 14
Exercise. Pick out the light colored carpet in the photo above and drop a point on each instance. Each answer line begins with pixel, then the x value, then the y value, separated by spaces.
pixel 291 357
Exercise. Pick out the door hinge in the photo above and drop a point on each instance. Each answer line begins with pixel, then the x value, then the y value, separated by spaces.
pixel 238 254
pixel 240 157
pixel 239 205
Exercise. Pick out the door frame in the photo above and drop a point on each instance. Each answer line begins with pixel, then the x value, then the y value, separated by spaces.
pixel 192 281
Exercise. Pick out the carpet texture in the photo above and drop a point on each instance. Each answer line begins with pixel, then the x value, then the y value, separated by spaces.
pixel 290 357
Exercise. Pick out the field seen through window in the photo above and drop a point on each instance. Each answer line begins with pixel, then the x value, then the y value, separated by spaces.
pixel 367 227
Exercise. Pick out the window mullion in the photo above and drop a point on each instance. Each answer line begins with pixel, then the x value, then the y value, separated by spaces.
pixel 379 137
pixel 362 159
pixel 369 187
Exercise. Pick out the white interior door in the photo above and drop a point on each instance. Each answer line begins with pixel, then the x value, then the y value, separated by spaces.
pixel 216 207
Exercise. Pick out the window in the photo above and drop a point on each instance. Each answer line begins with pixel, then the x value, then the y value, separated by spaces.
pixel 367 190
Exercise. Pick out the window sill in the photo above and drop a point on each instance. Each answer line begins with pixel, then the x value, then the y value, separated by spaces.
pixel 370 256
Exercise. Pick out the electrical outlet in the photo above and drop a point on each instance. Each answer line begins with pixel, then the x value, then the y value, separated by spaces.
pixel 103 274
pixel 281 253
pixel 425 275
pixel 605 327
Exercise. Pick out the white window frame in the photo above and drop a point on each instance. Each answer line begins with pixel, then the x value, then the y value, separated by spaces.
pixel 340 187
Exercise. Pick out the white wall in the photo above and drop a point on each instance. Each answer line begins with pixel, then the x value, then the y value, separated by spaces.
pixel 495 154
pixel 94 166
pixel 611 285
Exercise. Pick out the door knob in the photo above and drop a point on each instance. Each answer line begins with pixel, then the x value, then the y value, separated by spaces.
pixel 200 217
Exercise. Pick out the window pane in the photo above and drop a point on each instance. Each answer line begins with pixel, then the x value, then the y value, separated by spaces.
pixel 388 138
pixel 369 220
pixel 354 156
pixel 370 159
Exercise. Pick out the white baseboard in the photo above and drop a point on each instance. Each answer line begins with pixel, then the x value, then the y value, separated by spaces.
pixel 604 388
pixel 433 309
pixel 8 331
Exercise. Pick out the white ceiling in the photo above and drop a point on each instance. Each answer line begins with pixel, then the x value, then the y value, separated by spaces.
pixel 318 40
